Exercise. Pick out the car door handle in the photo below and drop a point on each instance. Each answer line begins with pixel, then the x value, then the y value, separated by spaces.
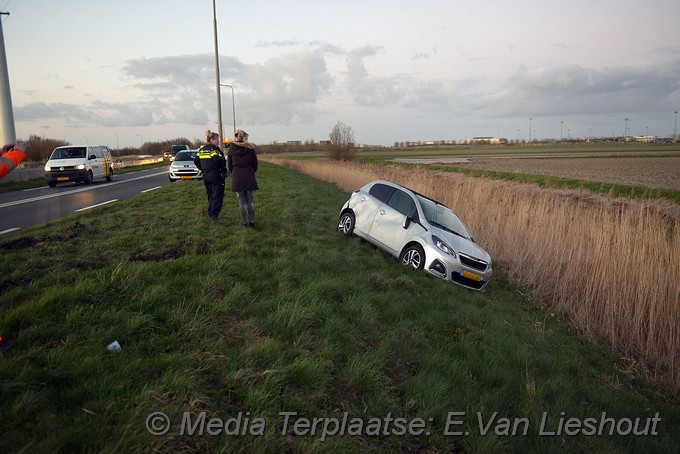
pixel 382 212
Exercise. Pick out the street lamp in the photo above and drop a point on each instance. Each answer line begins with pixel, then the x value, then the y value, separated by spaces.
pixel 140 141
pixel 561 126
pixel 625 131
pixel 675 128
pixel 217 76
pixel 233 105
pixel 117 145
pixel 529 129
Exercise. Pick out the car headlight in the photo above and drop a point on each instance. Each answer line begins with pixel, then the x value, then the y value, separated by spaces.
pixel 48 168
pixel 443 246
pixel 80 167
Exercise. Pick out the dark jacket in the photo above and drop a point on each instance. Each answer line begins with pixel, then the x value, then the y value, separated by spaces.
pixel 242 163
pixel 210 157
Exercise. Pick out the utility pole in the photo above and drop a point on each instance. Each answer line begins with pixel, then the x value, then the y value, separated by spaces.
pixel 217 79
pixel 7 132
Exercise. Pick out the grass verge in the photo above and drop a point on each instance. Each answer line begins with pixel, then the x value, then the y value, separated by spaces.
pixel 291 317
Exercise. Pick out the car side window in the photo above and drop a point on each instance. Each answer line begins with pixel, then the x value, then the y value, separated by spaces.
pixel 381 192
pixel 403 203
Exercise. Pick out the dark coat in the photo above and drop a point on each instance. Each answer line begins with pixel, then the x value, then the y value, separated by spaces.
pixel 242 164
pixel 210 157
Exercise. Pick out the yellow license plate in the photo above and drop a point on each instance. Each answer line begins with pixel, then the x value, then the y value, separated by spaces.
pixel 62 178
pixel 469 275
pixel 187 178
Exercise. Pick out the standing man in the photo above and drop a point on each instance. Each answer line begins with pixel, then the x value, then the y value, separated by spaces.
pixel 212 163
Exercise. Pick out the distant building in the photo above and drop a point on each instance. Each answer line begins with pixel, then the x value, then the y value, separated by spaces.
pixel 488 140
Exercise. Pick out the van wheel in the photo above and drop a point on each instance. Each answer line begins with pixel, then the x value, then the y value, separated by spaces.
pixel 109 177
pixel 89 178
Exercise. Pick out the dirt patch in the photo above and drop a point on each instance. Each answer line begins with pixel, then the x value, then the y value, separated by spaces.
pixel 189 246
pixel 20 244
pixel 644 172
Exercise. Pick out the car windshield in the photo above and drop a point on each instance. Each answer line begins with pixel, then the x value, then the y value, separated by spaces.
pixel 185 156
pixel 68 153
pixel 440 216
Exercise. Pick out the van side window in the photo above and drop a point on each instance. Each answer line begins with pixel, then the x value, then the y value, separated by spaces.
pixel 97 152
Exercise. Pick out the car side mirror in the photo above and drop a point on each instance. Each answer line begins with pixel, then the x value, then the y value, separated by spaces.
pixel 406 223
pixel 92 157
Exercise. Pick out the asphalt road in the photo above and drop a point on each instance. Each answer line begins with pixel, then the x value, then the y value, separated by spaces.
pixel 22 209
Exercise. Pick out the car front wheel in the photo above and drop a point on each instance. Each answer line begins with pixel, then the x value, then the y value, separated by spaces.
pixel 346 223
pixel 413 256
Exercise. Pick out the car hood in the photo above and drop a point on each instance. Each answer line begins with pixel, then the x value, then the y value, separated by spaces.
pixel 183 164
pixel 460 244
pixel 65 162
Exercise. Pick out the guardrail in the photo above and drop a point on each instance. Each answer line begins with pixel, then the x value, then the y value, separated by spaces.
pixel 34 170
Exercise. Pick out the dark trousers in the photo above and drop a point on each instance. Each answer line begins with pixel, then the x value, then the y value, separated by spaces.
pixel 214 186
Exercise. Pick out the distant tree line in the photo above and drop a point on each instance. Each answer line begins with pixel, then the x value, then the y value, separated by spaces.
pixel 340 146
pixel 39 148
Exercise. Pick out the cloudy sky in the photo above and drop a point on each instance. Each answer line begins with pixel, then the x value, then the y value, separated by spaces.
pixel 122 72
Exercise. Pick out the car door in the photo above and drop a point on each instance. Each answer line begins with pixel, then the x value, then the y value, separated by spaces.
pixel 388 225
pixel 367 207
pixel 96 163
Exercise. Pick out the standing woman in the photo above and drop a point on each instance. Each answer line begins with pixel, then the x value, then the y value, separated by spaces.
pixel 210 160
pixel 242 163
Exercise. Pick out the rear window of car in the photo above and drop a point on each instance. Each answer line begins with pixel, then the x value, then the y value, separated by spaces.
pixel 381 192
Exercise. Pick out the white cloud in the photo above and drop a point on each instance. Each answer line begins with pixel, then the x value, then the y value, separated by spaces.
pixel 579 90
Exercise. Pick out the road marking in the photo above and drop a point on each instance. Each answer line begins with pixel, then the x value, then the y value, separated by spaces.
pixel 10 230
pixel 152 189
pixel 74 191
pixel 97 205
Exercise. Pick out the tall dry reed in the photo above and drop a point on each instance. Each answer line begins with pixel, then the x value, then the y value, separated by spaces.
pixel 611 265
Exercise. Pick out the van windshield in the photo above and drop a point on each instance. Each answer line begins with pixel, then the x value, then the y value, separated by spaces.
pixel 68 153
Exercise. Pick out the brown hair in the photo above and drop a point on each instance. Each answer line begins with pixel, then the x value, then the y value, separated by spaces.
pixel 209 135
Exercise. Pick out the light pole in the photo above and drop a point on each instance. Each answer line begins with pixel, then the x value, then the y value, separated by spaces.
pixel 675 128
pixel 117 145
pixel 233 105
pixel 217 76
pixel 140 141
pixel 529 129
pixel 625 131
pixel 561 126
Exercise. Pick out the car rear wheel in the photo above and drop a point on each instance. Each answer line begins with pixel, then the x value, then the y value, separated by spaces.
pixel 346 223
pixel 109 176
pixel 413 256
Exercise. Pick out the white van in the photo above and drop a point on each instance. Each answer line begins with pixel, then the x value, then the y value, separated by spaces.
pixel 79 163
